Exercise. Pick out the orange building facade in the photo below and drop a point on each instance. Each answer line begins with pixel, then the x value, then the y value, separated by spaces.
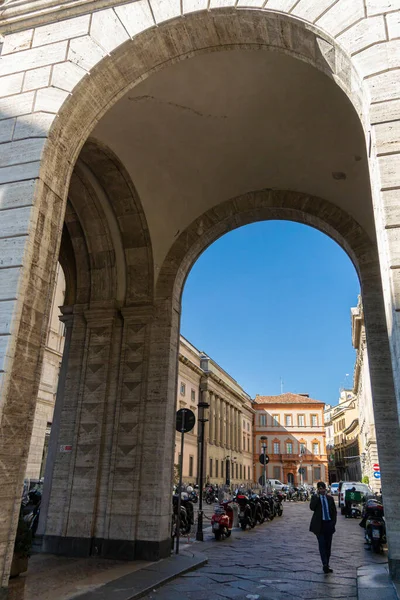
pixel 294 427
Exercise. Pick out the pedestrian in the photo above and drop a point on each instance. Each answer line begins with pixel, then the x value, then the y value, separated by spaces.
pixel 323 523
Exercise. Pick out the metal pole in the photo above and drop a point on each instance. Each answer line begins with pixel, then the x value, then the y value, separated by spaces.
pixel 199 533
pixel 265 468
pixel 178 517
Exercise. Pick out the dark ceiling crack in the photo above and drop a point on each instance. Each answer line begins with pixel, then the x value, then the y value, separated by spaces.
pixel 180 106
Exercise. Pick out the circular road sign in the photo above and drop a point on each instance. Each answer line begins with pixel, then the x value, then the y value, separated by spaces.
pixel 377 475
pixel 376 467
pixel 261 459
pixel 187 418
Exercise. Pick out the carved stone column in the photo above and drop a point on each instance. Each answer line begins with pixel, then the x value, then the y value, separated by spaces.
pixel 217 414
pixel 212 418
pixel 228 425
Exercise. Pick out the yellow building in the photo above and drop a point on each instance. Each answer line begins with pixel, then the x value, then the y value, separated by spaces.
pixel 294 427
pixel 228 432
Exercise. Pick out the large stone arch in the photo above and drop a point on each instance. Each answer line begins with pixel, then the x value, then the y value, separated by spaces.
pixel 363 252
pixel 52 111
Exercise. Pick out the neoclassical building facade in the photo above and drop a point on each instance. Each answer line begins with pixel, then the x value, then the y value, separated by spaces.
pixel 133 134
pixel 368 448
pixel 228 449
pixel 293 425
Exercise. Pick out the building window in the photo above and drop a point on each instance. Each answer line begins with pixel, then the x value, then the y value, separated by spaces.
pixel 289 448
pixel 190 466
pixel 277 448
pixel 216 468
pixel 248 474
pixel 244 442
pixel 244 424
pixel 183 389
pixel 301 420
pixel 211 467
pixel 317 473
pixel 315 448
pixel 237 471
pixel 193 394
pixel 288 420
pixel 241 472
pixel 277 473
pixel 275 420
pixel 314 420
pixel 248 426
pixel 263 420
pixel 303 448
pixel 248 443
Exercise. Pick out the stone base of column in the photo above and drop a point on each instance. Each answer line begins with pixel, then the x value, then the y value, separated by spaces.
pixel 106 548
pixel 394 569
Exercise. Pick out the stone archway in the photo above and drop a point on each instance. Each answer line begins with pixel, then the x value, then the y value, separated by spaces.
pixel 36 192
pixel 320 214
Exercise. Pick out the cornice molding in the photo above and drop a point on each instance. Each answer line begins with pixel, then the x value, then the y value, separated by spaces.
pixel 24 14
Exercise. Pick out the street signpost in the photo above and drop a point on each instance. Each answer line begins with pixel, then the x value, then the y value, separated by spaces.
pixel 185 421
pixel 377 471
pixel 264 460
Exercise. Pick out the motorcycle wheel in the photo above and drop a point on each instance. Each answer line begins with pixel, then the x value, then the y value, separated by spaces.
pixel 376 546
pixel 260 517
pixel 243 525
pixel 217 535
pixel 228 533
pixel 208 500
pixel 195 500
pixel 280 512
pixel 252 523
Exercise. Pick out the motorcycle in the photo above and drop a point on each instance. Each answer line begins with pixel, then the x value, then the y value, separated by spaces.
pixel 186 519
pixel 222 520
pixel 31 509
pixel 258 513
pixel 194 497
pixel 265 505
pixel 278 499
pixel 373 521
pixel 246 517
pixel 210 496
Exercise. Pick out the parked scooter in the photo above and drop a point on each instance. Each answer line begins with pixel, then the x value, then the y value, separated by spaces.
pixel 31 509
pixel 186 514
pixel 222 520
pixel 373 521
pixel 258 513
pixel 246 518
pixel 278 499
pixel 210 495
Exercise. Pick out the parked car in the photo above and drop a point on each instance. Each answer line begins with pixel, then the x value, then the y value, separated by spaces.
pixel 335 489
pixel 276 484
pixel 347 485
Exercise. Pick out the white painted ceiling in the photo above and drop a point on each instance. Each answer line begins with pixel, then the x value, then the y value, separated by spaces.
pixel 218 125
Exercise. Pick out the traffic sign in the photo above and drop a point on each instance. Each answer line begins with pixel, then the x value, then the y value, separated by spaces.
pixel 187 418
pixel 302 471
pixel 261 459
pixel 376 467
pixel 377 475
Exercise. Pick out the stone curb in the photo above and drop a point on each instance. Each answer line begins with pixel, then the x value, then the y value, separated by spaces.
pixel 373 581
pixel 139 583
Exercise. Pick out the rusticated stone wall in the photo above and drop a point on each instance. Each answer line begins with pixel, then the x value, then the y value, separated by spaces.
pixel 48 106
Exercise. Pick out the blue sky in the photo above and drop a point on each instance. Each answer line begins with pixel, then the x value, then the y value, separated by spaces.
pixel 273 300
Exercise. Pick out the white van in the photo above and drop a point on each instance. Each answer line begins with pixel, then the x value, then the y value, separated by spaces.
pixel 276 484
pixel 348 485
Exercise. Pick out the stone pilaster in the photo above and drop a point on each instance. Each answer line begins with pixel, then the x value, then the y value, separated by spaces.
pixel 211 419
pixel 67 318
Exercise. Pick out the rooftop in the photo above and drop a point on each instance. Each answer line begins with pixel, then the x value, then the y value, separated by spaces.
pixel 287 398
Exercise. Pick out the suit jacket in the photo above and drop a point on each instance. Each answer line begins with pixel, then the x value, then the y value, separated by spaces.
pixel 316 507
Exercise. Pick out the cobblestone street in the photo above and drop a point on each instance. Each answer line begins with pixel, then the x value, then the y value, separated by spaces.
pixel 276 561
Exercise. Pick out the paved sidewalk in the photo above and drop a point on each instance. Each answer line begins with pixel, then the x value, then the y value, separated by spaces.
pixel 277 561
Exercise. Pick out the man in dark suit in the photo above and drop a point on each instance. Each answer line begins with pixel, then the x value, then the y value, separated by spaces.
pixel 323 523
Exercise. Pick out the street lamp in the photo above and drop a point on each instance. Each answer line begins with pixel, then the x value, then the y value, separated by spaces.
pixel 264 439
pixel 202 406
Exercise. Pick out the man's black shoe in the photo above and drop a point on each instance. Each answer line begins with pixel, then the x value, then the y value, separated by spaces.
pixel 327 569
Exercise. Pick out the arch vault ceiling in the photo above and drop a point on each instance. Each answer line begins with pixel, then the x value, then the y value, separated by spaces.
pixel 221 124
